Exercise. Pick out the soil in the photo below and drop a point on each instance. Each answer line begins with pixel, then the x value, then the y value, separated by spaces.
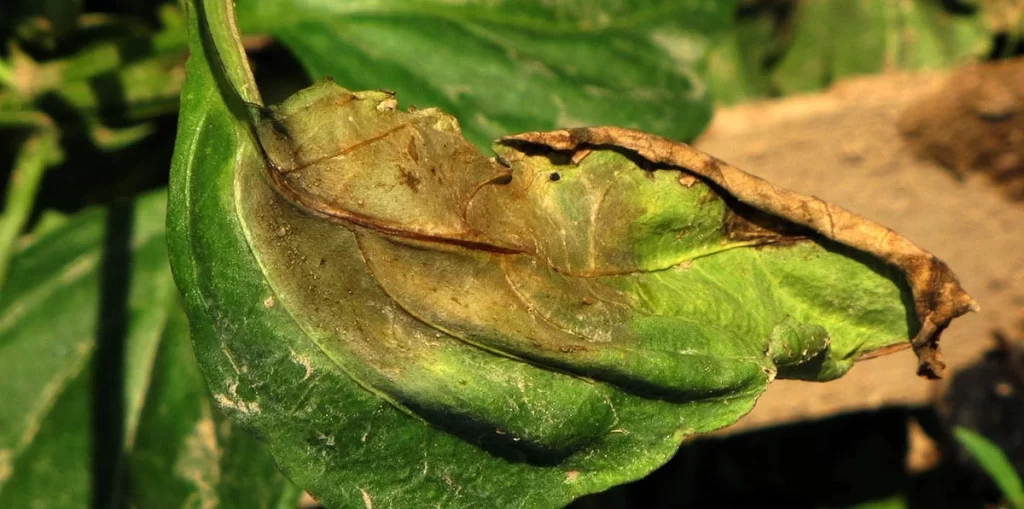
pixel 974 124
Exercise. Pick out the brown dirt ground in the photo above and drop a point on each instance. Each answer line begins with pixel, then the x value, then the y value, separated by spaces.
pixel 867 144
pixel 974 124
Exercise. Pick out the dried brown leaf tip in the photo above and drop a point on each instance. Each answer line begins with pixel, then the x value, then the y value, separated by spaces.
pixel 938 296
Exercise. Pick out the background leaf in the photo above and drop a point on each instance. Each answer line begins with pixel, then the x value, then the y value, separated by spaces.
pixel 102 396
pixel 995 463
pixel 782 47
pixel 837 38
pixel 511 66
pixel 738 61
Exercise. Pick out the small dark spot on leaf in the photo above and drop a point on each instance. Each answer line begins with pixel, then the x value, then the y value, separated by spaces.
pixel 555 177
pixel 411 181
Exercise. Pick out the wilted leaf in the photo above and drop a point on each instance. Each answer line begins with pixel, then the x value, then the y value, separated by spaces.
pixel 406 320
pixel 509 66
pixel 102 397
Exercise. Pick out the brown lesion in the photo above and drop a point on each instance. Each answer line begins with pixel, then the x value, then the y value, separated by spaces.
pixel 938 296
pixel 744 223
pixel 409 179
pixel 384 136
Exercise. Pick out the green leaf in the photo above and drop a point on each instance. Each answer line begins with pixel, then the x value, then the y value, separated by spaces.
pixel 738 61
pixel 102 397
pixel 838 38
pixel 511 66
pixel 406 321
pixel 995 463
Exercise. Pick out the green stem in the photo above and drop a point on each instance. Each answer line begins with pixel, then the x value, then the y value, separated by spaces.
pixel 222 27
pixel 35 156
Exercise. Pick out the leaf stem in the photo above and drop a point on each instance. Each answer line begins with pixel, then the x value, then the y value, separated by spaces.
pixel 36 154
pixel 222 28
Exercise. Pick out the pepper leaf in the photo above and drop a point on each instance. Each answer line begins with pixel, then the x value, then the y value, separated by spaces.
pixel 406 320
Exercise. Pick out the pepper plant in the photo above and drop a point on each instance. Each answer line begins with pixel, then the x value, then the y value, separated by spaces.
pixel 401 310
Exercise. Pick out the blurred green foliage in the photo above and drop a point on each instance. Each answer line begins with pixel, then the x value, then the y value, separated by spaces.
pixel 781 47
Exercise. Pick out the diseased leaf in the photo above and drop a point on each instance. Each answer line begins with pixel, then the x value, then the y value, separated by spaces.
pixel 937 295
pixel 102 397
pixel 407 321
pixel 510 66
